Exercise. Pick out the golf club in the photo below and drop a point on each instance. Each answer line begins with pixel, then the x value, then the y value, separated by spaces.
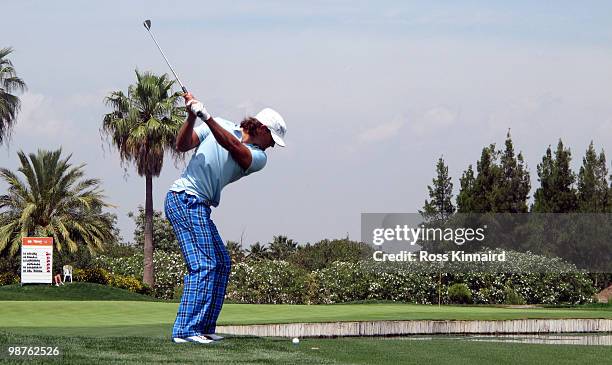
pixel 147 25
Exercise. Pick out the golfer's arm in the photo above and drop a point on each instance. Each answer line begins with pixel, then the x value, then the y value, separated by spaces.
pixel 240 153
pixel 187 138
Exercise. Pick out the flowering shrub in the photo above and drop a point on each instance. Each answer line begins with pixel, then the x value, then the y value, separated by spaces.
pixel 267 281
pixel 169 269
pixel 129 283
pixel 343 282
pixel 533 288
pixel 402 284
pixel 527 278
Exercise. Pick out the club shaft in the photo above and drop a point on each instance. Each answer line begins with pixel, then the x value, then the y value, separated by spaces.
pixel 168 62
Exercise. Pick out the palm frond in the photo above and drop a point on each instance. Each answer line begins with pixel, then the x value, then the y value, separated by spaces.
pixel 143 125
pixel 54 200
pixel 10 105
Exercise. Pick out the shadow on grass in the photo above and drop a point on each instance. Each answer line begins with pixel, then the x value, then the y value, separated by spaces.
pixel 70 291
pixel 145 330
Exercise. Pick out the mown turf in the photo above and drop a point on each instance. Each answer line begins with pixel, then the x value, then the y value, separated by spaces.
pixel 143 350
pixel 129 318
pixel 70 291
pixel 123 331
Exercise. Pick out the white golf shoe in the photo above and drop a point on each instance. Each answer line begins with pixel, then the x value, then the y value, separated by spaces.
pixel 196 339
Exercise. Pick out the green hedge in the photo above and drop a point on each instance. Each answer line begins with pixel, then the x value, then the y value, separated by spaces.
pixel 343 282
pixel 268 281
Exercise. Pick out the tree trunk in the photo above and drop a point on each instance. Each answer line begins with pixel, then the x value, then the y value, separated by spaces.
pixel 149 269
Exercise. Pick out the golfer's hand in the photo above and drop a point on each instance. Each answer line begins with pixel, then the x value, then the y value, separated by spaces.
pixel 194 107
pixel 188 96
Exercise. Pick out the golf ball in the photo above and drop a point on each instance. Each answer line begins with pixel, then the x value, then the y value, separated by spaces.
pixel 295 341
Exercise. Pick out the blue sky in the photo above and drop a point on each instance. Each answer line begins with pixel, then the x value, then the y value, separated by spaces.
pixel 373 93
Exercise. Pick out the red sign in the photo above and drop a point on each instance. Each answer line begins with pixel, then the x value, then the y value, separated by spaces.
pixel 37 241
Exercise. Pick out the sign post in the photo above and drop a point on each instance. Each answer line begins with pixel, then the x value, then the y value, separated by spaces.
pixel 37 260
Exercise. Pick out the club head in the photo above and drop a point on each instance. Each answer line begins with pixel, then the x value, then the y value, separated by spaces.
pixel 147 24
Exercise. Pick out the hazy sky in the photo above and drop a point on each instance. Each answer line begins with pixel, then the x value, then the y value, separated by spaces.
pixel 373 94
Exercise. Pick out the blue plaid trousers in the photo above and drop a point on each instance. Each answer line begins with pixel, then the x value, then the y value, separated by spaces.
pixel 208 264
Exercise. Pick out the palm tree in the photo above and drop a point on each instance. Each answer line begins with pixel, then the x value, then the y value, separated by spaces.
pixel 9 103
pixel 281 247
pixel 235 251
pixel 143 126
pixel 258 251
pixel 55 200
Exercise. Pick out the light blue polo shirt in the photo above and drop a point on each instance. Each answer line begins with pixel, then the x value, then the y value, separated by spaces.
pixel 211 167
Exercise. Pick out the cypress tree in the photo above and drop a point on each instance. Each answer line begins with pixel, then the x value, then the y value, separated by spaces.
pixel 465 199
pixel 486 179
pixel 440 207
pixel 512 186
pixel 543 195
pixel 593 190
pixel 556 193
pixel 610 196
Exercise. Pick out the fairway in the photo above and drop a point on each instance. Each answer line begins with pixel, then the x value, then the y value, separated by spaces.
pixel 129 318
pixel 126 331
pixel 248 350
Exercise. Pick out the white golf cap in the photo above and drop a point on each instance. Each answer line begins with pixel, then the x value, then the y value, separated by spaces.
pixel 275 123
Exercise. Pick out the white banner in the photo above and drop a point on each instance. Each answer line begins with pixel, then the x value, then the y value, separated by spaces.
pixel 37 260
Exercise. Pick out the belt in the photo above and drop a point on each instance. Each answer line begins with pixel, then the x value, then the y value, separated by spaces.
pixel 193 199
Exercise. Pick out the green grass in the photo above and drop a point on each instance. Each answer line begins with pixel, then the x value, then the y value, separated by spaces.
pixel 116 312
pixel 122 327
pixel 129 318
pixel 71 291
pixel 607 306
pixel 245 350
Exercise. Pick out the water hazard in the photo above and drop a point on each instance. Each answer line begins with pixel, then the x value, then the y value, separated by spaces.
pixel 588 339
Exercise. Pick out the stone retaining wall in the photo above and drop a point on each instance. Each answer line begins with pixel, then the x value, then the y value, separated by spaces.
pixel 391 328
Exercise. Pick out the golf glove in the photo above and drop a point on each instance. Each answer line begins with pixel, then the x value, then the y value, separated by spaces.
pixel 196 108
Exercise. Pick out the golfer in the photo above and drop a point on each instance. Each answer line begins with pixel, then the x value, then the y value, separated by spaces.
pixel 225 153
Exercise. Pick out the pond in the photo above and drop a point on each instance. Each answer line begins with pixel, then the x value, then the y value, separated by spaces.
pixel 589 339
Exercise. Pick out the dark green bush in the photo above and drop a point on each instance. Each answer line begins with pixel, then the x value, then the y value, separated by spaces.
pixel 80 258
pixel 459 294
pixel 101 276
pixel 10 264
pixel 512 297
pixel 121 251
pixel 9 278
pixel 323 253
pixel 129 283
pixel 91 275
